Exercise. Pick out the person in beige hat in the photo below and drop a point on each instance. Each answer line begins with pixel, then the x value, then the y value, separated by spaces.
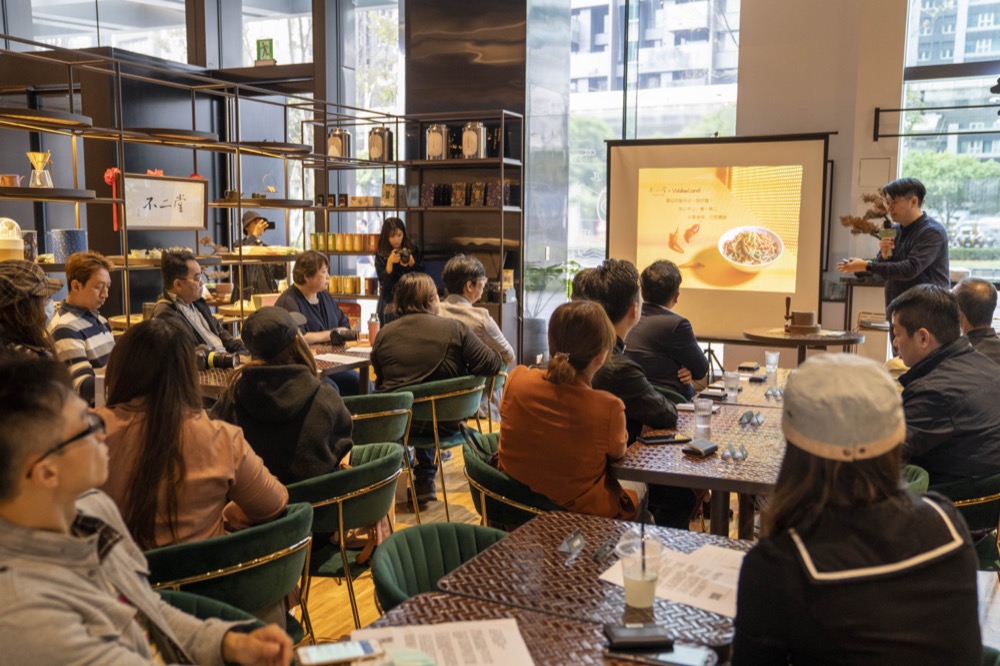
pixel 852 568
pixel 25 291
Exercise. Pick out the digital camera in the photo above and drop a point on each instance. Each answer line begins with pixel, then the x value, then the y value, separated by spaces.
pixel 404 256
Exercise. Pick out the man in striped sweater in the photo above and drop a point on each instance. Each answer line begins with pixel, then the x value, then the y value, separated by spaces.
pixel 82 337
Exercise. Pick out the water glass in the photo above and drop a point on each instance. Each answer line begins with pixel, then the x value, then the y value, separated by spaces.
pixel 771 364
pixel 732 379
pixel 703 418
pixel 641 561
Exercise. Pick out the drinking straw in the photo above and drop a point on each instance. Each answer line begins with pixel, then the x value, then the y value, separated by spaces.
pixel 642 545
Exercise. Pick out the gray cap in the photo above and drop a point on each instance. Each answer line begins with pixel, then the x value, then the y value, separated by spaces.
pixel 842 407
pixel 21 279
pixel 270 330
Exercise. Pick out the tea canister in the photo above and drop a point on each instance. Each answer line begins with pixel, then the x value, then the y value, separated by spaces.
pixel 474 141
pixel 380 144
pixel 437 141
pixel 338 143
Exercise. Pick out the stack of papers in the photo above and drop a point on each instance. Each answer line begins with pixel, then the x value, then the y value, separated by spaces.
pixel 494 642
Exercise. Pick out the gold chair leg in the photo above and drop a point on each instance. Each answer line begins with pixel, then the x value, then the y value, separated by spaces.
pixel 306 581
pixel 437 459
pixel 347 569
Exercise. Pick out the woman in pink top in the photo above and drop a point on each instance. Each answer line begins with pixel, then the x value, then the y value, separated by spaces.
pixel 176 475
pixel 557 434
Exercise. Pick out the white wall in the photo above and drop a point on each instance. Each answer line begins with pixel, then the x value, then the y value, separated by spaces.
pixel 822 65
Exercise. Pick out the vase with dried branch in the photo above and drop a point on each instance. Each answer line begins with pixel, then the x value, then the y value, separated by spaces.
pixel 873 219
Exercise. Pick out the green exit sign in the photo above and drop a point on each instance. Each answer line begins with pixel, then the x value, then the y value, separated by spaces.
pixel 265 49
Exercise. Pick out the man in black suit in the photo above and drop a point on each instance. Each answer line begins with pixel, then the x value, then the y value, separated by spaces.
pixel 977 300
pixel 663 342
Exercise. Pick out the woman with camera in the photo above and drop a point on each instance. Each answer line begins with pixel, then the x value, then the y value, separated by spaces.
pixel 397 256
pixel 176 474
pixel 325 322
pixel 296 423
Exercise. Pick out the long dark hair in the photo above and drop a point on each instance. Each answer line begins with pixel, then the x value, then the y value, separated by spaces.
pixel 578 332
pixel 23 322
pixel 390 225
pixel 808 484
pixel 155 362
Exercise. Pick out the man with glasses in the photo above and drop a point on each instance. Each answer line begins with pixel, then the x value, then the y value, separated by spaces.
pixel 182 301
pixel 72 588
pixel 917 253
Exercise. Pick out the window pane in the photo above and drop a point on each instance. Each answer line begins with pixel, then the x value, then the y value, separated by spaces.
pixel 158 30
pixel 960 171
pixel 291 32
pixel 952 31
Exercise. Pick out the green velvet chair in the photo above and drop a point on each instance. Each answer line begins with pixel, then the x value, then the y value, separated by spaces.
pixel 978 500
pixel 444 401
pixel 384 417
pixel 204 608
pixel 915 479
pixel 991 657
pixel 500 500
pixel 253 569
pixel 348 499
pixel 413 560
pixel 670 394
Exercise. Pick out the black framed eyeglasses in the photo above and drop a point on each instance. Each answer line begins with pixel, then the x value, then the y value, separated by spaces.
pixel 95 424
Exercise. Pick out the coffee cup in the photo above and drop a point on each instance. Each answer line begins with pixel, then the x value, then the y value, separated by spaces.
pixel 11 180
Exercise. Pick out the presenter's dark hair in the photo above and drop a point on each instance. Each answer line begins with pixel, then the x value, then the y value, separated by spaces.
pixel 661 281
pixel 615 286
pixel 32 397
pixel 906 188
pixel 927 306
pixel 307 265
pixel 578 332
pixel 461 270
pixel 173 266
pixel 154 363
pixel 977 299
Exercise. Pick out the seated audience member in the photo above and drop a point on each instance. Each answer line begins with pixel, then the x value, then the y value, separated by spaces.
pixel 296 423
pixel 325 321
pixel 182 302
pixel 557 434
pixel 615 285
pixel 258 278
pixel 173 470
pixel 663 342
pixel 951 393
pixel 977 301
pixel 419 346
pixel 25 293
pixel 72 584
pixel 465 278
pixel 851 568
pixel 82 337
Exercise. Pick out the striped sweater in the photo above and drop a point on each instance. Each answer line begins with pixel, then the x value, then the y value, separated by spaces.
pixel 83 341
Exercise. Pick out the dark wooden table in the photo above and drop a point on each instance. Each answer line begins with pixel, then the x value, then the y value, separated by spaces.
pixel 214 380
pixel 551 639
pixel 526 570
pixel 780 338
pixel 754 394
pixel 666 464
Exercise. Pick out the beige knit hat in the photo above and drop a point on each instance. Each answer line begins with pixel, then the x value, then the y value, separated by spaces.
pixel 842 407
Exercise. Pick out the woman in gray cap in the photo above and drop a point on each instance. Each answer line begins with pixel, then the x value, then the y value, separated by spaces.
pixel 25 291
pixel 852 568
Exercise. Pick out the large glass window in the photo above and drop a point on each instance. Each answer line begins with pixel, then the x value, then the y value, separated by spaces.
pixel 155 29
pixel 951 137
pixel 289 30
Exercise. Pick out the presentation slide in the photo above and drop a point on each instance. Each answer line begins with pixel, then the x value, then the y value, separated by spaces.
pixel 741 216
pixel 725 227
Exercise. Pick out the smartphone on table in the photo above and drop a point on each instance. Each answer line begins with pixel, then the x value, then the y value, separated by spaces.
pixel 680 655
pixel 337 653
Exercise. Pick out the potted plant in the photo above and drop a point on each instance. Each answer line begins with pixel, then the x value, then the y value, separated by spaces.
pixel 545 287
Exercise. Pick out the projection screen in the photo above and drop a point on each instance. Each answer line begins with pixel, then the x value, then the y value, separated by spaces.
pixel 742 218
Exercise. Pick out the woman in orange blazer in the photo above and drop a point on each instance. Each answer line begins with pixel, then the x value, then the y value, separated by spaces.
pixel 557 434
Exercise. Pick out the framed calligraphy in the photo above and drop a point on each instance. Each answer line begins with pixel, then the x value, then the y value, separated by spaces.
pixel 164 202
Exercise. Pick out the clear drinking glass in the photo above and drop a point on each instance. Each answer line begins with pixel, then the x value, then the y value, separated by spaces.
pixel 771 364
pixel 732 379
pixel 641 569
pixel 703 418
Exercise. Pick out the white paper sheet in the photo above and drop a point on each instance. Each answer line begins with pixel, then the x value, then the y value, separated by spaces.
pixel 704 579
pixel 493 642
pixel 339 359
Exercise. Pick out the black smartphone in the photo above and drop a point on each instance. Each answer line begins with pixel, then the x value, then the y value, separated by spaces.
pixel 664 439
pixel 638 636
pixel 758 379
pixel 680 655
pixel 700 449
